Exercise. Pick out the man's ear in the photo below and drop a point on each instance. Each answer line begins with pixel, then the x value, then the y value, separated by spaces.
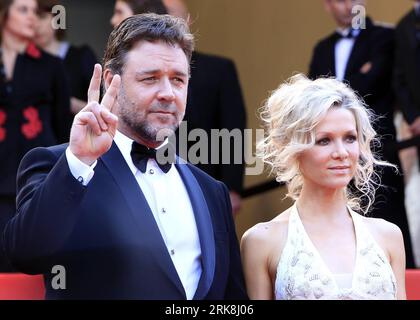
pixel 108 75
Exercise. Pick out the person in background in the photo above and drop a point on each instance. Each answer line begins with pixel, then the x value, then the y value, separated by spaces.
pixel 126 8
pixel 318 140
pixel 215 100
pixel 78 61
pixel 407 67
pixel 362 55
pixel 34 100
pixel 406 85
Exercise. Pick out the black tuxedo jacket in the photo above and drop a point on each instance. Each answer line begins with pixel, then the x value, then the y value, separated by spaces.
pixel 215 102
pixel 105 234
pixel 375 44
pixel 407 67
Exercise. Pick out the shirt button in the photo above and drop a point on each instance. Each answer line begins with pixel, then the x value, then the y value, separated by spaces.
pixel 172 252
pixel 151 171
pixel 163 210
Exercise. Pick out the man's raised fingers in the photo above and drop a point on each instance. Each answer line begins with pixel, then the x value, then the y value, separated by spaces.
pixel 95 84
pixel 111 93
pixel 89 119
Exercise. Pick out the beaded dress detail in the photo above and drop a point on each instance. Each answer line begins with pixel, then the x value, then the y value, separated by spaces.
pixel 302 274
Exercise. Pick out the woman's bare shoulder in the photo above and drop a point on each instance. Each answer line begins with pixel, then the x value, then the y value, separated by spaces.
pixel 387 234
pixel 382 228
pixel 268 233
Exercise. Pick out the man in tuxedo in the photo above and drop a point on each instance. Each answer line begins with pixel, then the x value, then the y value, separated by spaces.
pixel 214 100
pixel 121 222
pixel 407 67
pixel 362 55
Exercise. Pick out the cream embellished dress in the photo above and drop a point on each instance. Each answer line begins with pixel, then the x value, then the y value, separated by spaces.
pixel 302 274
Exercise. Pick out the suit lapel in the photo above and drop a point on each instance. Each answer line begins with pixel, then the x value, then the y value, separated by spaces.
pixel 358 49
pixel 141 212
pixel 204 227
pixel 356 52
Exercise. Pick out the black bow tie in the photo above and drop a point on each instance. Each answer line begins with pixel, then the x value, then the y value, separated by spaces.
pixel 140 154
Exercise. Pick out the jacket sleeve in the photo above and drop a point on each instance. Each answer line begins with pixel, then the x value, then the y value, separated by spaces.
pixel 48 197
pixel 235 289
pixel 406 103
pixel 314 70
pixel 381 58
pixel 88 61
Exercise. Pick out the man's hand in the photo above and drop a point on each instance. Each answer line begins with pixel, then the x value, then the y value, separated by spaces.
pixel 415 127
pixel 366 67
pixel 95 125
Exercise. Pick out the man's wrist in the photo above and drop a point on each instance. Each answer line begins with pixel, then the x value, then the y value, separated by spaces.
pixel 86 160
pixel 79 169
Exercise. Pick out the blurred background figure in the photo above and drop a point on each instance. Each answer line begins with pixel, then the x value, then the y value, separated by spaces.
pixel 78 61
pixel 126 8
pixel 363 57
pixel 215 98
pixel 406 82
pixel 407 67
pixel 34 99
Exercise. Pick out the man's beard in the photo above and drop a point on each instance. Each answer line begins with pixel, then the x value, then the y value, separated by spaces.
pixel 137 122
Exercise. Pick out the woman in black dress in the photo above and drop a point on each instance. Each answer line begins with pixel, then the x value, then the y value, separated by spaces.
pixel 34 99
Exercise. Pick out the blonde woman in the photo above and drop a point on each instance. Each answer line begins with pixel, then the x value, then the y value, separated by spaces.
pixel 318 141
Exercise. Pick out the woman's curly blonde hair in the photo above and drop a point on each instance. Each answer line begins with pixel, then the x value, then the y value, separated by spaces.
pixel 290 116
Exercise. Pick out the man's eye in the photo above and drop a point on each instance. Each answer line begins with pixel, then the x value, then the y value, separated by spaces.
pixel 149 79
pixel 178 80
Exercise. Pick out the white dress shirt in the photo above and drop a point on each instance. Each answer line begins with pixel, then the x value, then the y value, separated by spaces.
pixel 343 48
pixel 170 204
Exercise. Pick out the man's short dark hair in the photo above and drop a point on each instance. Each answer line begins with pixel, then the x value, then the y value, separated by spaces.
pixel 145 27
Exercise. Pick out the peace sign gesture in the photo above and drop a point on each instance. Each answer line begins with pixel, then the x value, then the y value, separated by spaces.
pixel 94 126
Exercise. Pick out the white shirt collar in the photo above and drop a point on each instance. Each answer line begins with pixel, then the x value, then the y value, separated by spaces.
pixel 345 31
pixel 64 48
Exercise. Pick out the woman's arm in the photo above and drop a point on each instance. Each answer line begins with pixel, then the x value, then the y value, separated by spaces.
pixel 255 260
pixel 395 246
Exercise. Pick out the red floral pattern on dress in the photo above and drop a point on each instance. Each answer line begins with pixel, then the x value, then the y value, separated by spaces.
pixel 33 51
pixel 33 127
pixel 3 118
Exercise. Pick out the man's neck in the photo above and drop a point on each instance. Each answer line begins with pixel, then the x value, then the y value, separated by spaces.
pixel 129 134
